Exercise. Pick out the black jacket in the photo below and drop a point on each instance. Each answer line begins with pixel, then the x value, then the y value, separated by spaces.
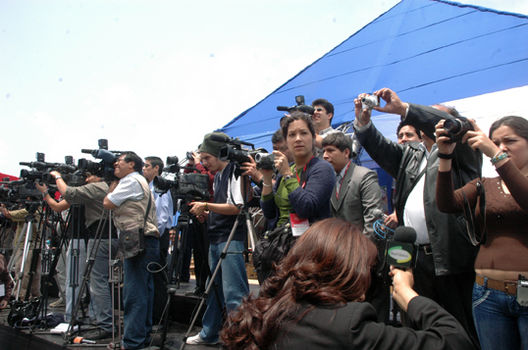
pixel 452 251
pixel 354 326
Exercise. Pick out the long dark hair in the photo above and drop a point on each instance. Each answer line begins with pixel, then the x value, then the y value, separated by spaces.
pixel 329 265
pixel 286 121
pixel 519 125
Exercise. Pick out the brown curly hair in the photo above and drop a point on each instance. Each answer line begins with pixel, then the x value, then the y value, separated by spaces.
pixel 330 264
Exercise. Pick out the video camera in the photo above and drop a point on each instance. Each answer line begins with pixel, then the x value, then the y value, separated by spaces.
pixel 187 186
pixel 234 152
pixel 13 193
pixel 104 168
pixel 40 171
pixel 300 106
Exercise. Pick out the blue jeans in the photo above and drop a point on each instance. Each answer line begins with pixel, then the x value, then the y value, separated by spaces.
pixel 500 321
pixel 138 296
pixel 232 285
pixel 100 293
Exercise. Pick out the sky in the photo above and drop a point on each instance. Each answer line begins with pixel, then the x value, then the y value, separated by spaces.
pixel 154 76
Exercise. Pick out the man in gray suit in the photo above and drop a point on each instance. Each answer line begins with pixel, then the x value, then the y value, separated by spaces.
pixel 357 196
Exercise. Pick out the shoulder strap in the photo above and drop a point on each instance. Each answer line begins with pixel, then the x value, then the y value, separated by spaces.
pixel 477 235
pixel 149 195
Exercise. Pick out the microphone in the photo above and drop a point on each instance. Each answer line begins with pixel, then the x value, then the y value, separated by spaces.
pixel 401 250
pixel 381 230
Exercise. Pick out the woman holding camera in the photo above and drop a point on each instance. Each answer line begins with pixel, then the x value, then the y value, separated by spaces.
pixel 303 188
pixel 299 197
pixel 499 292
pixel 315 301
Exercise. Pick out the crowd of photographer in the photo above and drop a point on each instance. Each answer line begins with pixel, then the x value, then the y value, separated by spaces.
pixel 461 234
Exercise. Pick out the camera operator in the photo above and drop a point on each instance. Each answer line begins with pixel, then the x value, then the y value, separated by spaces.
pixel 153 167
pixel 232 281
pixel 129 198
pixel 19 217
pixel 279 144
pixel 322 122
pixel 90 196
pixel 444 266
pixel 198 240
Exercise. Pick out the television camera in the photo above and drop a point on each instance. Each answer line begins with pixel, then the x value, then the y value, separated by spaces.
pixel 300 106
pixel 187 186
pixel 104 168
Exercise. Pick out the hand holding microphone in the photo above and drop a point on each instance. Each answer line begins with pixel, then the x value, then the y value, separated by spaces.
pixel 401 250
pixel 402 282
pixel 401 255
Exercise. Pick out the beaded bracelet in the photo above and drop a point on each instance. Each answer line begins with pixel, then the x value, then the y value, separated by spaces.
pixel 498 157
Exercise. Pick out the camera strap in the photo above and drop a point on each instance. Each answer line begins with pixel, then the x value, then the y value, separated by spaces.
pixel 476 230
pixel 149 194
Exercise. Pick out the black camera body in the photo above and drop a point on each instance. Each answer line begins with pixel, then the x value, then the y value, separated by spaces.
pixel 187 186
pixel 104 168
pixel 456 128
pixel 264 160
pixel 300 106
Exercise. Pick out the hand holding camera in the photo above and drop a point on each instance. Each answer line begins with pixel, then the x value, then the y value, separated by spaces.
pixel 443 141
pixel 478 140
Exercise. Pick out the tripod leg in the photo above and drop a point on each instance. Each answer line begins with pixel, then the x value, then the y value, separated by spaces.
pixel 216 260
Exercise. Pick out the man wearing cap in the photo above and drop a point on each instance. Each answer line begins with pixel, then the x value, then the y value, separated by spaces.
pixel 231 282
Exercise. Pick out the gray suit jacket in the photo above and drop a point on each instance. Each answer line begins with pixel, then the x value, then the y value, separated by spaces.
pixel 359 195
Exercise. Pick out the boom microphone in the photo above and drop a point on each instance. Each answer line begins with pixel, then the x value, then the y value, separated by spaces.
pixel 401 250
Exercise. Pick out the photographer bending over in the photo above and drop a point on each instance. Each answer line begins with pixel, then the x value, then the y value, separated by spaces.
pixel 315 301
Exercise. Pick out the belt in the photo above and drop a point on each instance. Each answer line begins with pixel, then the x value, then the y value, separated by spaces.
pixel 426 248
pixel 508 287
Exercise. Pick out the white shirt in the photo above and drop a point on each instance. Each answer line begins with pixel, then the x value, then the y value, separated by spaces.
pixel 414 211
pixel 127 188
pixel 234 192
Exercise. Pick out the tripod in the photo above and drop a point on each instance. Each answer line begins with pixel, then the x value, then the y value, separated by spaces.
pixel 29 219
pixel 176 261
pixel 243 213
pixel 87 271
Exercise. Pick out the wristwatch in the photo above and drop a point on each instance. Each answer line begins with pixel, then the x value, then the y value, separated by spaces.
pixel 287 177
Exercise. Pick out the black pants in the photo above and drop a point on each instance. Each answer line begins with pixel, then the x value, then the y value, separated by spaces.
pixel 160 280
pixel 200 247
pixel 453 292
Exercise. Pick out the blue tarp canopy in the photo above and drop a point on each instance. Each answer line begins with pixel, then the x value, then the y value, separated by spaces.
pixel 428 51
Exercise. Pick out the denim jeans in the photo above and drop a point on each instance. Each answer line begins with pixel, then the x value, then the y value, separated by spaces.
pixel 138 296
pixel 501 322
pixel 100 293
pixel 232 285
